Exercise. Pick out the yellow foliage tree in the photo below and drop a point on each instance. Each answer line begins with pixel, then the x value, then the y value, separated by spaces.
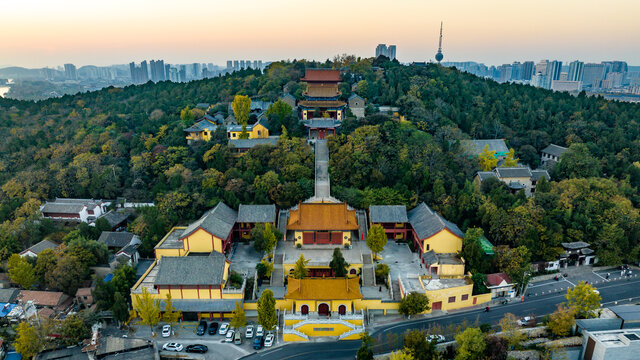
pixel 487 159
pixel 561 321
pixel 511 160
pixel 584 300
pixel 241 106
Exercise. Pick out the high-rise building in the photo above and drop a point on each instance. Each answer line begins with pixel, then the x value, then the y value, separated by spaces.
pixel 381 50
pixel 554 68
pixel 592 73
pixel 139 74
pixel 541 67
pixel 196 71
pixel 516 71
pixel 173 74
pixel 391 50
pixel 70 72
pixel 167 72
pixel 182 74
pixel 241 64
pixel 505 73
pixel 576 71
pixel 527 70
pixel 236 65
pixel 260 64
pixel 229 64
pixel 157 70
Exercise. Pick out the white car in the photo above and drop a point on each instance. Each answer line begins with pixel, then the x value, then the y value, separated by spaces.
pixel 249 332
pixel 437 338
pixel 172 347
pixel 166 331
pixel 229 337
pixel 268 341
pixel 524 321
pixel 259 331
pixel 223 328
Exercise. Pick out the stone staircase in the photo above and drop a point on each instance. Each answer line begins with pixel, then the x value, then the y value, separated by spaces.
pixel 368 271
pixel 277 277
pixel 395 285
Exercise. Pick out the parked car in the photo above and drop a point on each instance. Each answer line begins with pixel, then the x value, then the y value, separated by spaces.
pixel 229 337
pixel 259 331
pixel 436 338
pixel 249 332
pixel 223 328
pixel 213 328
pixel 172 347
pixel 268 341
pixel 197 348
pixel 258 342
pixel 202 328
pixel 237 338
pixel 166 331
pixel 527 321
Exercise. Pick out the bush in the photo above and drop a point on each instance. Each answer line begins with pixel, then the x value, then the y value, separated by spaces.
pixel 382 271
pixel 235 279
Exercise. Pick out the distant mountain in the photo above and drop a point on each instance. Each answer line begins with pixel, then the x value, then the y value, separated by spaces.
pixel 16 72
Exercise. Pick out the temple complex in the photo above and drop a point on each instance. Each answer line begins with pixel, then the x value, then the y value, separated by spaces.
pixel 322 95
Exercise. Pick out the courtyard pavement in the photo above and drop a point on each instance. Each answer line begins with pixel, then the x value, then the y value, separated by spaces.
pixel 244 258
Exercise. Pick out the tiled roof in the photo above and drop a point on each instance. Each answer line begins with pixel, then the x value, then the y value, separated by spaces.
pixel 575 245
pixel 114 218
pixel 129 249
pixel 497 278
pixel 39 247
pixel 257 213
pixel 238 127
pixel 322 216
pixel 116 239
pixel 42 298
pixel 426 222
pixel 537 174
pixel 627 312
pixel 430 257
pixel 322 91
pixel 388 214
pixel 323 289
pixel 191 270
pixel 84 291
pixel 555 150
pixel 475 147
pixel 250 143
pixel 9 295
pixel 62 208
pixel 354 95
pixel 513 172
pixel 484 175
pixel 486 246
pixel 322 123
pixel 202 125
pixel 218 221
pixel 327 75
pixel 322 104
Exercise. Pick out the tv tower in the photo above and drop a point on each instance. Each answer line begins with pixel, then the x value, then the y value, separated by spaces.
pixel 439 55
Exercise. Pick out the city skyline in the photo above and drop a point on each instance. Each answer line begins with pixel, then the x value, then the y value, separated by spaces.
pixel 493 32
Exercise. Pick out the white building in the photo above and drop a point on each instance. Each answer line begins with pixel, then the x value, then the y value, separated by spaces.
pixel 83 210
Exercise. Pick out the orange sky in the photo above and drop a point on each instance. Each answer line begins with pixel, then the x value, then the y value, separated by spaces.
pixel 38 33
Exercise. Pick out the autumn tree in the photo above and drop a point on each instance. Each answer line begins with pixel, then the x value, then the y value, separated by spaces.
pixel 487 159
pixel 338 264
pixel 68 274
pixel 417 347
pixel 186 115
pixel 300 270
pixel 241 106
pixel 365 352
pixel 511 160
pixel 561 321
pixel 238 319
pixel 267 310
pixel 511 330
pixel 29 340
pixel 21 272
pixel 280 110
pixel 414 303
pixel 147 308
pixel 584 300
pixel 376 238
pixel 74 328
pixel 401 355
pixel 264 269
pixel 471 344
pixel 170 314
pixel 515 262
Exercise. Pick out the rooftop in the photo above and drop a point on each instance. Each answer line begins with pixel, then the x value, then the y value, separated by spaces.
pixel 322 123
pixel 250 143
pixel 257 214
pixel 513 172
pixel 497 279
pixel 627 312
pixel 388 214
pixel 321 255
pixel 319 75
pixel 439 284
pixel 203 124
pixel 172 239
pixel 191 270
pixel 41 246
pixel 42 298
pixel 555 150
pixel 116 239
pixel 114 218
pixel 218 221
pixel 576 245
pixel 323 289
pixel 426 222
pixel 475 147
pixel 617 338
pixel 322 216
pixel 322 103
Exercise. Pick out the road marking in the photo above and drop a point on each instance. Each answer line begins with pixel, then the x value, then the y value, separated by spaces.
pixel 600 276
pixel 572 284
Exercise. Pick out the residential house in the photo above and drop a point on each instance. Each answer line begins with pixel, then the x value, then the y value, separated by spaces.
pixel 116 220
pixel 289 99
pixel 259 130
pixel 392 218
pixel 552 153
pixel 516 178
pixel 84 296
pixel 431 232
pixel 118 240
pixel 356 105
pixel 250 215
pixel 202 129
pixel 83 210
pixel 623 344
pixel 127 255
pixel 577 253
pixel 473 148
pixel 241 146
pixel 52 299
pixel 36 249
pixel 500 285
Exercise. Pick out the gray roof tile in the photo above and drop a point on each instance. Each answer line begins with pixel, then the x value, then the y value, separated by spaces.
pixel 475 147
pixel 42 245
pixel 426 222
pixel 191 270
pixel 484 175
pixel 555 150
pixel 113 218
pixel 257 214
pixel 513 172
pixel 537 174
pixel 388 214
pixel 218 221
pixel 250 143
pixel 116 239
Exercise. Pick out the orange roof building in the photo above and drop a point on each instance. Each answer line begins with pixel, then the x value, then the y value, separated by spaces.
pixel 322 95
pixel 322 217
pixel 323 289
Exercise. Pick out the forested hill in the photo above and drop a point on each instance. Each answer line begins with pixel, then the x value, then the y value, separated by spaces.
pixel 130 142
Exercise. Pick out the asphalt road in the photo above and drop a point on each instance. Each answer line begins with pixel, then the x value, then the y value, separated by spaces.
pixel 621 291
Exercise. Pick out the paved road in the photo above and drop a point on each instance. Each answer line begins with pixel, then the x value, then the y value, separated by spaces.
pixel 541 305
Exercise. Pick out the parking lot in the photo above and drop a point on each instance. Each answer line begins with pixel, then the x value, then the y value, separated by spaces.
pixel 574 276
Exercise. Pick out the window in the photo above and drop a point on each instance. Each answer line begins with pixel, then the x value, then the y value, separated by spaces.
pixel 258 132
pixel 427 247
pixel 452 299
pixel 464 297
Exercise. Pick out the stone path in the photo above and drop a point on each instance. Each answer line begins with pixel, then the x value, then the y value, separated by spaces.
pixel 323 187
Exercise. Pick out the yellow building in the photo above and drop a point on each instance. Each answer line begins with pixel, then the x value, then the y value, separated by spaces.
pixel 322 223
pixel 258 130
pixel 444 294
pixel 203 129
pixel 431 232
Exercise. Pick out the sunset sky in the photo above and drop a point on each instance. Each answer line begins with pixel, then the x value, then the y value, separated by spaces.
pixel 38 33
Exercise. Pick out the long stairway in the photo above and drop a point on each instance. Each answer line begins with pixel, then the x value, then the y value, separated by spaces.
pixel 277 277
pixel 368 271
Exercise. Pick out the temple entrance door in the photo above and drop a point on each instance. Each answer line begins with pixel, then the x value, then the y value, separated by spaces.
pixel 323 309
pixel 322 238
pixel 336 238
pixel 308 238
pixel 304 309
pixel 321 134
pixel 342 309
pixel 437 305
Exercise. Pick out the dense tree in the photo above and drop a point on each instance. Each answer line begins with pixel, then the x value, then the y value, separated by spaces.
pixel 300 270
pixel 583 299
pixel 29 340
pixel 515 262
pixel 487 159
pixel 74 329
pixel 338 264
pixel 365 352
pixel 511 330
pixel 68 274
pixel 400 355
pixel 120 308
pixel 472 251
pixel 577 162
pixel 264 238
pixel 414 303
pixel 264 269
pixel 21 272
pixel 241 108
pixel 416 345
pixel 267 310
pixel 561 321
pixel 471 344
pixel 376 238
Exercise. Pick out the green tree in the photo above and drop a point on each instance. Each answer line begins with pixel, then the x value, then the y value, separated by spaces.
pixel 583 300
pixel 471 344
pixel 479 283
pixel 511 160
pixel 103 294
pixel 120 308
pixel 338 264
pixel 487 159
pixel 68 274
pixel 300 270
pixel 561 321
pixel 365 352
pixel 29 341
pixel 74 329
pixel 45 263
pixel 511 330
pixel 472 251
pixel 401 355
pixel 414 303
pixel 416 345
pixel 241 106
pixel 124 277
pixel 186 115
pixel 170 314
pixel 267 310
pixel 238 319
pixel 577 162
pixel 280 109
pixel 376 238
pixel 21 272
pixel 515 262
pixel 147 308
pixel 264 269
pixel 264 238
